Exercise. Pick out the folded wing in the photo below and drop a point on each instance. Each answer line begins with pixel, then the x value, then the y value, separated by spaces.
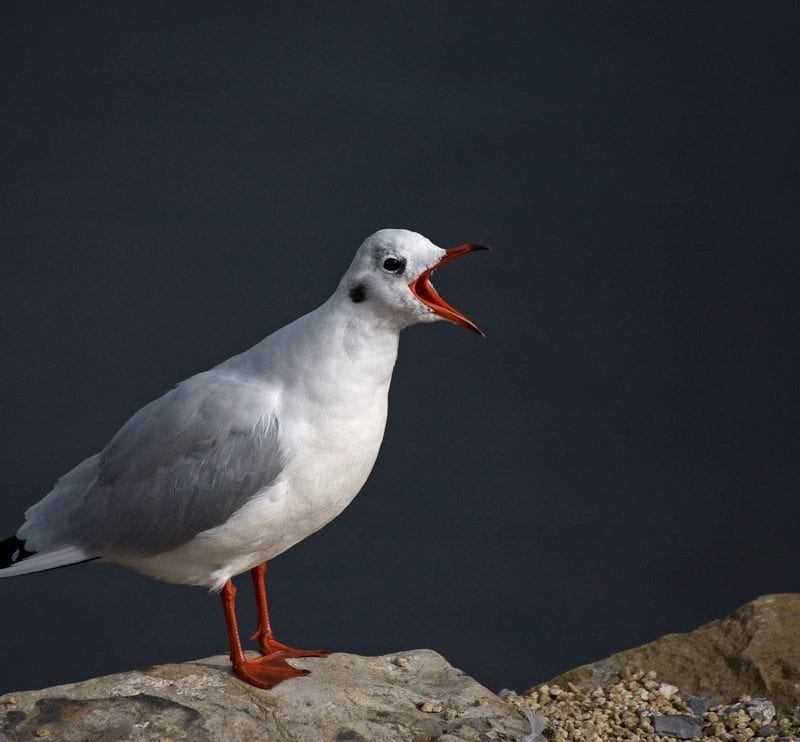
pixel 181 465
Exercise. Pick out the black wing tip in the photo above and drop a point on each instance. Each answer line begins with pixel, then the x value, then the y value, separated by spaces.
pixel 13 551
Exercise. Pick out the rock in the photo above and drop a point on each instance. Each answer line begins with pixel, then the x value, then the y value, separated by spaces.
pixel 679 726
pixel 699 705
pixel 667 690
pixel 345 698
pixel 760 709
pixel 755 650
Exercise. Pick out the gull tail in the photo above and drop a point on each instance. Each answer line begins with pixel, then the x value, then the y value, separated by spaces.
pixel 15 559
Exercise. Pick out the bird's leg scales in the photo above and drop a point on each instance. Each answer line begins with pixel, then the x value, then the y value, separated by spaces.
pixel 267 642
pixel 262 672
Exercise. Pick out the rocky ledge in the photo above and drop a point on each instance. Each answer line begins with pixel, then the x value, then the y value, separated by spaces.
pixel 413 695
pixel 733 680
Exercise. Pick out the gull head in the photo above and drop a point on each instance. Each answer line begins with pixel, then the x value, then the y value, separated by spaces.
pixel 390 278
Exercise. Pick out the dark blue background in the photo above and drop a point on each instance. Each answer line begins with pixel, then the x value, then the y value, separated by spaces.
pixel 617 460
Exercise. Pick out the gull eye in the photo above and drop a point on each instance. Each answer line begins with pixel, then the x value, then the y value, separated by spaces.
pixel 394 265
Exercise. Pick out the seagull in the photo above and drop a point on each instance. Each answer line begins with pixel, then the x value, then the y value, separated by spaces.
pixel 235 465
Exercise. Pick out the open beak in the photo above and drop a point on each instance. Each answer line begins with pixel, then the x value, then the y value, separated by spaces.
pixel 423 289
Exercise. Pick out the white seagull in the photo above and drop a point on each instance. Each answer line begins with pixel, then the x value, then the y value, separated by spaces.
pixel 237 464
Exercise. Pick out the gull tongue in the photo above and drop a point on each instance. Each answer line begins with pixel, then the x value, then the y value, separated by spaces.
pixel 423 289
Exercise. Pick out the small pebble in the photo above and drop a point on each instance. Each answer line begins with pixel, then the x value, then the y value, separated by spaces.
pixel 667 690
pixel 700 705
pixel 400 662
pixel 761 709
pixel 431 707
pixel 679 726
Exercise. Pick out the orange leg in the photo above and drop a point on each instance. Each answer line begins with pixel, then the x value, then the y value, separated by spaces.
pixel 264 672
pixel 266 640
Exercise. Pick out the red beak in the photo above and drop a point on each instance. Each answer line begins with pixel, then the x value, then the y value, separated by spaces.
pixel 423 289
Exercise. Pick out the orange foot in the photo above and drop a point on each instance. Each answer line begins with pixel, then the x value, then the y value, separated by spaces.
pixel 269 646
pixel 267 672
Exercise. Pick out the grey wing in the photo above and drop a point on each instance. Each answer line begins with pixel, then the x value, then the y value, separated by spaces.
pixel 181 465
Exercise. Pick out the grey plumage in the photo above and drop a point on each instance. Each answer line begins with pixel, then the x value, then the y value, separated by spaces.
pixel 181 465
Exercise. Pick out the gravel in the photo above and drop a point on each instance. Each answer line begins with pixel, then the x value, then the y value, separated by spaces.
pixel 640 708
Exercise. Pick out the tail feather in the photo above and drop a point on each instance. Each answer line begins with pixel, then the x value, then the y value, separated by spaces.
pixel 15 559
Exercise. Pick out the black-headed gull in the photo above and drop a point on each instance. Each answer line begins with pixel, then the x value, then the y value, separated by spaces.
pixel 237 464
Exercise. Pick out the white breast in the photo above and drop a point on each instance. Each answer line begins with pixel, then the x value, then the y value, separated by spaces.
pixel 331 424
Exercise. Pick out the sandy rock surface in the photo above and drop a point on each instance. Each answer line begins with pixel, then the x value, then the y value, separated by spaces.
pixel 755 651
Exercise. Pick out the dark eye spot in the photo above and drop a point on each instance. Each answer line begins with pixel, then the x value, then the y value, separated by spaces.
pixel 358 293
pixel 394 265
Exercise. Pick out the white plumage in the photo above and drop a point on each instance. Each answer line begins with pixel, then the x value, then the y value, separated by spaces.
pixel 237 464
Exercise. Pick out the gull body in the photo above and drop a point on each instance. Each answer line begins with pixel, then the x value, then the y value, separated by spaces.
pixel 237 464
pixel 317 392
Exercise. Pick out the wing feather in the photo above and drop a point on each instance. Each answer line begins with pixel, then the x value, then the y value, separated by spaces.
pixel 181 465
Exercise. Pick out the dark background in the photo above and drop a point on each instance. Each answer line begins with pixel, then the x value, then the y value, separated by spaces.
pixel 617 460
